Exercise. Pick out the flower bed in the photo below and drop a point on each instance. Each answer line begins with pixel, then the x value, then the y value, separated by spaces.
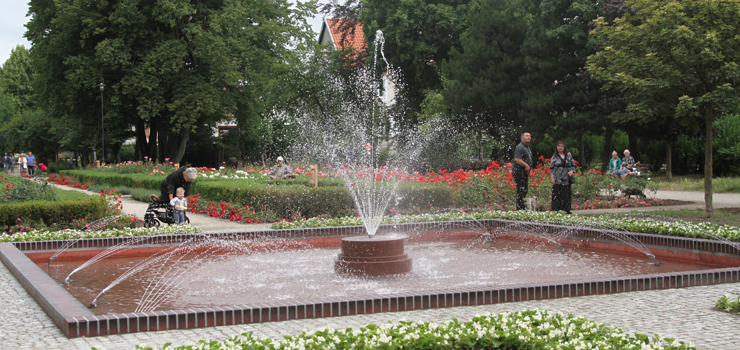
pixel 529 329
pixel 53 235
pixel 645 225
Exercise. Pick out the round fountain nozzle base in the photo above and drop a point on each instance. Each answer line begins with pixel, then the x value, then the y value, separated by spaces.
pixel 365 256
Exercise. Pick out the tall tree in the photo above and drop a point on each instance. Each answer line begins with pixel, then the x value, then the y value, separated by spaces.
pixel 419 35
pixel 522 63
pixel 17 75
pixel 677 56
pixel 171 65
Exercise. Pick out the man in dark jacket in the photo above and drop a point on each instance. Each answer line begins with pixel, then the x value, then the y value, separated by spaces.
pixel 520 169
pixel 179 178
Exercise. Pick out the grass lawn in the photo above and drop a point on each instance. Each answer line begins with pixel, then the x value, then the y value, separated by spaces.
pixel 696 183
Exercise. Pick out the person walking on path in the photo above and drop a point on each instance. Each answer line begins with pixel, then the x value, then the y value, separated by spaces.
pixel 22 164
pixel 520 169
pixel 562 168
pixel 31 164
pixel 7 163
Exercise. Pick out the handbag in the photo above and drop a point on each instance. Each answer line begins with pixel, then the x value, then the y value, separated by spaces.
pixel 571 179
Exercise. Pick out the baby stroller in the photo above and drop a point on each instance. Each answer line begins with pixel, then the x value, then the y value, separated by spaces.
pixel 158 211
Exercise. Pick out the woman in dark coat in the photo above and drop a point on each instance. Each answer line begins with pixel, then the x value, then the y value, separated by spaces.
pixel 562 167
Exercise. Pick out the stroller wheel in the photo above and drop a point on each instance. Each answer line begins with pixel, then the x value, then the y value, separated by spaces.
pixel 187 220
pixel 151 223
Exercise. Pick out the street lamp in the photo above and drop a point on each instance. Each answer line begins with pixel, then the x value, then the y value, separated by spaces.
pixel 102 125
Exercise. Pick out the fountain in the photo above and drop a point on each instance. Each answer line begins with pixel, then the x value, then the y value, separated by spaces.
pixel 361 127
pixel 374 270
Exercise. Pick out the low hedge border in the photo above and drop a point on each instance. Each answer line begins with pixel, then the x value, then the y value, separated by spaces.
pixel 286 198
pixel 90 208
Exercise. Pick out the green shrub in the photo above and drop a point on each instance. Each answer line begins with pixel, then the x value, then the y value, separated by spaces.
pixel 124 190
pixel 44 213
pixel 27 190
pixel 726 304
pixel 286 198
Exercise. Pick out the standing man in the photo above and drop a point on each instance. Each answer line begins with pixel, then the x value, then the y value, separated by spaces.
pixel 520 169
pixel 31 164
pixel 7 163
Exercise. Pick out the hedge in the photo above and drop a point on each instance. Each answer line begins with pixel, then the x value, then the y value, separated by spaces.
pixel 285 197
pixel 91 208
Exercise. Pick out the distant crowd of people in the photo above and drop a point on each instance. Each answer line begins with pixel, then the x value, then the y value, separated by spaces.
pixel 26 163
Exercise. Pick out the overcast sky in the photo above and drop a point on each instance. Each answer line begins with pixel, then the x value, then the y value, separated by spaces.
pixel 13 18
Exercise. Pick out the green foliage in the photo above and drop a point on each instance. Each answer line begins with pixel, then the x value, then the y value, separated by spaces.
pixel 48 213
pixel 520 63
pixel 17 76
pixel 727 145
pixel 419 35
pixel 27 190
pixel 728 305
pixel 685 84
pixel 176 65
pixel 286 198
pixel 528 329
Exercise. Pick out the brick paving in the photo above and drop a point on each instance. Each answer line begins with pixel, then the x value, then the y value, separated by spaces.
pixel 686 314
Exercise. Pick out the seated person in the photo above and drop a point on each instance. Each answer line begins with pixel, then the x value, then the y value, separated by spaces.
pixel 281 171
pixel 615 164
pixel 628 165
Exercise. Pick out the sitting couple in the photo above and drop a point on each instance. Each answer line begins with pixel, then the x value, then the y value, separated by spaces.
pixel 622 167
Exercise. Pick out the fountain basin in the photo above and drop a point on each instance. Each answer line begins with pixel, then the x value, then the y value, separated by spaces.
pixel 75 320
pixel 372 256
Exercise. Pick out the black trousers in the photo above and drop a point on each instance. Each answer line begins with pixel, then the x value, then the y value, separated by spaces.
pixel 522 186
pixel 560 198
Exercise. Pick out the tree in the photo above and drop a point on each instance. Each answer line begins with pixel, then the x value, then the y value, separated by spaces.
pixel 171 65
pixel 674 59
pixel 18 75
pixel 522 63
pixel 419 35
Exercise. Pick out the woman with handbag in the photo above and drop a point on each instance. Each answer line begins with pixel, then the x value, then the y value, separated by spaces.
pixel 562 168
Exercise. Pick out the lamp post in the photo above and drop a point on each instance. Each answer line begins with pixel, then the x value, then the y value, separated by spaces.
pixel 102 125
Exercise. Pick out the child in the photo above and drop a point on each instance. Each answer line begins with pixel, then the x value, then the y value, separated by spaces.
pixel 180 204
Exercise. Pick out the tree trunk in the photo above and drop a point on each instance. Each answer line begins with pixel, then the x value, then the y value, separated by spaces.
pixel 154 138
pixel 479 142
pixel 163 142
pixel 607 154
pixel 668 165
pixel 141 143
pixel 83 159
pixel 635 147
pixel 709 120
pixel 581 154
pixel 183 137
pixel 116 147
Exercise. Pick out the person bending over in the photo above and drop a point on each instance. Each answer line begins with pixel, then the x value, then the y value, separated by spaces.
pixel 179 178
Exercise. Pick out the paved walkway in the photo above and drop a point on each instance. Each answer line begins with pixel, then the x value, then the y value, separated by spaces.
pixel 686 314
